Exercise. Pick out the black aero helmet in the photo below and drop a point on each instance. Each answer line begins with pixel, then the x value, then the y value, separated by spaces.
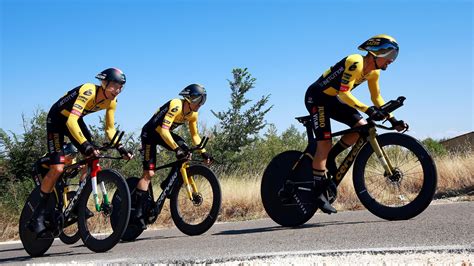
pixel 112 74
pixel 381 46
pixel 194 93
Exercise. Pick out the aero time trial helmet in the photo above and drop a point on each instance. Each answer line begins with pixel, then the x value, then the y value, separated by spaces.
pixel 381 46
pixel 194 93
pixel 112 74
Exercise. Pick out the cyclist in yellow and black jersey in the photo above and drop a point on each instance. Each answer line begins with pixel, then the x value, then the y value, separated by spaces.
pixel 331 97
pixel 65 119
pixel 159 131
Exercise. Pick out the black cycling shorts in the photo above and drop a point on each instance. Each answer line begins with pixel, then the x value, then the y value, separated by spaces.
pixel 56 129
pixel 149 142
pixel 322 107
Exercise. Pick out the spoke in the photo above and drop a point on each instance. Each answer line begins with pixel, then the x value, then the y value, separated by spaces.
pixel 408 170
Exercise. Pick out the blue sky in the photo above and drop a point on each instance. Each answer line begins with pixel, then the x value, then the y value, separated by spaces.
pixel 49 47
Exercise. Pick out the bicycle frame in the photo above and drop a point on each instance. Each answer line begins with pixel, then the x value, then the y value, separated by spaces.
pixel 191 187
pixel 181 166
pixel 367 133
pixel 91 176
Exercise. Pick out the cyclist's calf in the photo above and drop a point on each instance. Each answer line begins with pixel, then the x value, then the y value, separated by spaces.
pixel 51 177
pixel 145 180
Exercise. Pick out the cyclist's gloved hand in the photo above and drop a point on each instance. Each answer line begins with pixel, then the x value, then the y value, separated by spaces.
pixel 399 125
pixel 375 113
pixel 124 152
pixel 88 149
pixel 207 157
pixel 181 153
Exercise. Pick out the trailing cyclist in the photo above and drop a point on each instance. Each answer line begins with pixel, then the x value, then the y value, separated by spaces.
pixel 158 131
pixel 65 118
pixel 330 97
pixel 42 165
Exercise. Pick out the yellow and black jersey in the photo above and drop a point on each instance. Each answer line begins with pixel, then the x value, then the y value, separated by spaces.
pixel 343 77
pixel 79 102
pixel 169 117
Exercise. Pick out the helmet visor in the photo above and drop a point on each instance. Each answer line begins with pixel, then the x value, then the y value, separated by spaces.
pixel 387 50
pixel 199 100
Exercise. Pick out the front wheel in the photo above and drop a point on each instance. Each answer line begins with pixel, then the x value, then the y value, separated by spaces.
pixel 98 232
pixel 408 191
pixel 196 216
pixel 33 246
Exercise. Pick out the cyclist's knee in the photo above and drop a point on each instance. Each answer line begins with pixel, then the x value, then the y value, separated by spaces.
pixel 148 174
pixel 56 170
pixel 360 123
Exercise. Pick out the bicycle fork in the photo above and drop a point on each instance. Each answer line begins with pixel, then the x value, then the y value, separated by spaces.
pixel 190 185
pixel 96 169
pixel 379 152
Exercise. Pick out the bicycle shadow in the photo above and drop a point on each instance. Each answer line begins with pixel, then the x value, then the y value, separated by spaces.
pixel 282 228
pixel 27 258
pixel 148 238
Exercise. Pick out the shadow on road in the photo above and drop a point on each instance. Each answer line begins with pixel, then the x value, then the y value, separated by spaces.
pixel 152 238
pixel 31 260
pixel 304 226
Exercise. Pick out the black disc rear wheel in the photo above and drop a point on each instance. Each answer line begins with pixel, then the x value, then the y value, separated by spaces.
pixel 34 247
pixel 300 206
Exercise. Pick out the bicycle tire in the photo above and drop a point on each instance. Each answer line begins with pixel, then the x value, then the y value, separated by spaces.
pixel 132 231
pixel 177 202
pixel 420 202
pixel 274 177
pixel 33 246
pixel 65 237
pixel 92 239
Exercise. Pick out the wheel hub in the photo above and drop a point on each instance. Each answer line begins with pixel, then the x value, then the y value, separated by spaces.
pixel 197 199
pixel 396 177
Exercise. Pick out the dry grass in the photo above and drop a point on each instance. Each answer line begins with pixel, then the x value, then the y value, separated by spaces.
pixel 241 194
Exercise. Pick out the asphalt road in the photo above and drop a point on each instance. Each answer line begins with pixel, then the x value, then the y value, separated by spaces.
pixel 442 227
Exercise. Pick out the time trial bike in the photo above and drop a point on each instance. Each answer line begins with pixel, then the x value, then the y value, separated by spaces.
pixel 98 232
pixel 194 192
pixel 394 176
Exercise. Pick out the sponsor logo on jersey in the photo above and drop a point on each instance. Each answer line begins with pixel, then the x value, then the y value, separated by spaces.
pixel 67 98
pixel 88 92
pixel 322 116
pixel 353 66
pixel 77 106
pixel 344 88
pixel 76 112
pixel 82 98
pixel 331 77
pixel 175 109
pixel 327 135
pixel 165 127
